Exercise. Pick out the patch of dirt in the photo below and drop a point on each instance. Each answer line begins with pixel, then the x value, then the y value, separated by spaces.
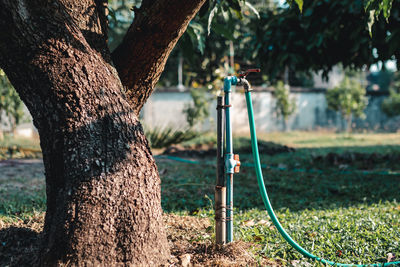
pixel 189 239
pixel 191 245
pixel 21 168
pixel 198 151
pixel 209 150
pixel 19 241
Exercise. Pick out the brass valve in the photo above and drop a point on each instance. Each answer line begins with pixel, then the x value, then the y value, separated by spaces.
pixel 237 166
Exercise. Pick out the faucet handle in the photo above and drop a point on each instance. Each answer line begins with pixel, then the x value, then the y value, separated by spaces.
pixel 245 73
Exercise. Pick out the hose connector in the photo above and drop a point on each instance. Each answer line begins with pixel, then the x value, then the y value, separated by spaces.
pixel 232 163
pixel 245 83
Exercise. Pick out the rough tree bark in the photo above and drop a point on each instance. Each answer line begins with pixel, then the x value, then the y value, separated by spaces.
pixel 102 185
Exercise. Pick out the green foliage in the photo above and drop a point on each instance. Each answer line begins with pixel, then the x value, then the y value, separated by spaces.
pixel 348 98
pixel 10 103
pixel 299 3
pixel 284 105
pixel 164 137
pixel 377 7
pixel 319 37
pixel 198 111
pixel 323 35
pixel 391 105
pixel 207 55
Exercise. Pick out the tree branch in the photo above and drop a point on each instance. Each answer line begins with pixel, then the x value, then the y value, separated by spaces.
pixel 141 57
pixel 91 18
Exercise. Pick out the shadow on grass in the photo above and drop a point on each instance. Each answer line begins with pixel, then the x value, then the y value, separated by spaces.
pixel 19 247
pixel 308 178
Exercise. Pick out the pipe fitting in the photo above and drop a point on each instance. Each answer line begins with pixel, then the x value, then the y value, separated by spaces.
pixel 230 163
pixel 228 82
pixel 245 83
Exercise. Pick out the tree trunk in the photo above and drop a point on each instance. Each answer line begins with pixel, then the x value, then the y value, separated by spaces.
pixel 286 125
pixel 349 120
pixel 13 125
pixel 102 185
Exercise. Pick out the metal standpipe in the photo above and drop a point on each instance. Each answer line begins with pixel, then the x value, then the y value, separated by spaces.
pixel 220 188
pixel 231 162
pixel 228 157
pixel 227 164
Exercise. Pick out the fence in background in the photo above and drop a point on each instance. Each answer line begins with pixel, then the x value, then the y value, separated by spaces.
pixel 165 106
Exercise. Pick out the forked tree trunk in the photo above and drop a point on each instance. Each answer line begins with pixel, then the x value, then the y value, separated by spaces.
pixel 102 185
pixel 103 190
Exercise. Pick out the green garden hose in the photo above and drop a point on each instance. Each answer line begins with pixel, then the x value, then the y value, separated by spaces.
pixel 267 203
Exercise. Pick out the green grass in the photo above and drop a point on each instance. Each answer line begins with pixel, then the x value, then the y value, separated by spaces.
pixel 330 139
pixel 358 234
pixel 298 186
pixel 20 195
pixel 346 213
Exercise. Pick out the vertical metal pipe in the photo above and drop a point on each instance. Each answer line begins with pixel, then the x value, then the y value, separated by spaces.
pixel 220 189
pixel 220 143
pixel 228 155
pixel 220 215
pixel 229 208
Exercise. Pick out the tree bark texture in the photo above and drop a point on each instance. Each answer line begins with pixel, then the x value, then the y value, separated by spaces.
pixel 102 184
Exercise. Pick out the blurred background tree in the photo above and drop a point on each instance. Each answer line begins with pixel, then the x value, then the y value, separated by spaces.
pixel 391 105
pixel 349 99
pixel 284 105
pixel 11 106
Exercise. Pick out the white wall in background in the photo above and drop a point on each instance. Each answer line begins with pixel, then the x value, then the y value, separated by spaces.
pixel 165 109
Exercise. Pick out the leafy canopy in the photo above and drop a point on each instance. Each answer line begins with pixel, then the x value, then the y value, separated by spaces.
pixel 323 35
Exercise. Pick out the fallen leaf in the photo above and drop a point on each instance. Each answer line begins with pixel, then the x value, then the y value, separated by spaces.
pixel 248 223
pixel 263 222
pixel 391 257
pixel 185 260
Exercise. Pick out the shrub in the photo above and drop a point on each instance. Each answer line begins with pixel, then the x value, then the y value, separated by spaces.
pixel 284 105
pixel 164 137
pixel 348 98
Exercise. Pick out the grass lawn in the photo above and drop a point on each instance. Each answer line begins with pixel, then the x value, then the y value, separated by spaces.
pixel 337 195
